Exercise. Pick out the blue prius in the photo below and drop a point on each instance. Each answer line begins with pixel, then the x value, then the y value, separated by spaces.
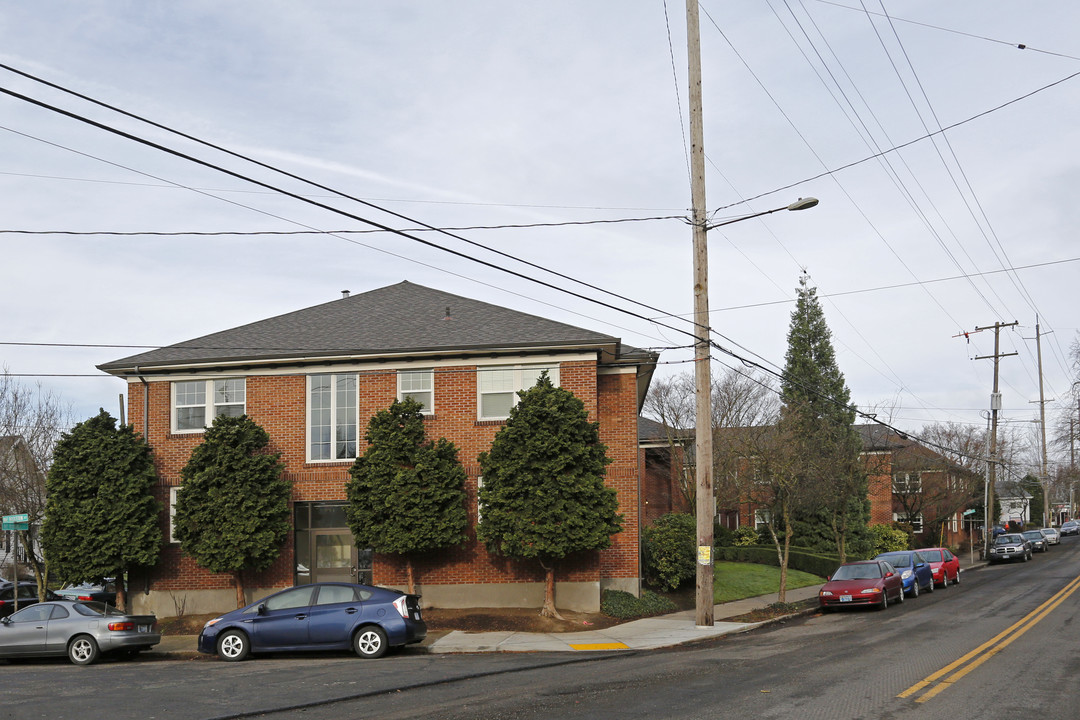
pixel 914 570
pixel 322 616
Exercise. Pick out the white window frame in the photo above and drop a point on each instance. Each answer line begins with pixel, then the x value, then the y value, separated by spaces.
pixel 479 507
pixel 907 483
pixel 762 517
pixel 516 383
pixel 173 492
pixel 406 387
pixel 334 418
pixel 915 522
pixel 212 390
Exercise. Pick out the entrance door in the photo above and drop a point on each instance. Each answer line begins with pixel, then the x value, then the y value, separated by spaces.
pixel 334 556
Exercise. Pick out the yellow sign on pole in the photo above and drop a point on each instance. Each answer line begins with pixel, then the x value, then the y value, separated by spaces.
pixel 704 554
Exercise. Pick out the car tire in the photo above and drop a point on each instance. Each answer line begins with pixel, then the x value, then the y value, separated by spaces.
pixel 884 604
pixel 957 580
pixel 915 588
pixel 900 597
pixel 83 650
pixel 370 642
pixel 233 646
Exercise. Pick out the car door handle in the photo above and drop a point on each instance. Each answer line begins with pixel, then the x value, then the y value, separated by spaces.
pixel 301 616
pixel 351 611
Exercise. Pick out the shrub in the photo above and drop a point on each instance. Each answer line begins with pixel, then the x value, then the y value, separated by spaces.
pixel 670 546
pixel 888 539
pixel 745 537
pixel 813 563
pixel 623 605
pixel 722 536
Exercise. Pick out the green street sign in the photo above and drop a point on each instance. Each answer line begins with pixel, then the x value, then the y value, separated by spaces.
pixel 16 522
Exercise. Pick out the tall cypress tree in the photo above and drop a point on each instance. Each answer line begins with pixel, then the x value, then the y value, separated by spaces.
pixel 406 494
pixel 232 511
pixel 100 516
pixel 817 410
pixel 543 496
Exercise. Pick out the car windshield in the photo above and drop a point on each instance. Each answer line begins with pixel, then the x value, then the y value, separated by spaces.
pixel 899 560
pixel 867 571
pixel 1009 540
pixel 1033 535
pixel 931 555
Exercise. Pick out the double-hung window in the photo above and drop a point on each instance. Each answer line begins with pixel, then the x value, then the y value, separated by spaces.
pixel 498 387
pixel 907 483
pixel 332 417
pixel 197 402
pixel 418 385
pixel 915 521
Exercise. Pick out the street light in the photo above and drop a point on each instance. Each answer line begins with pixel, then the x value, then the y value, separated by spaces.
pixel 703 485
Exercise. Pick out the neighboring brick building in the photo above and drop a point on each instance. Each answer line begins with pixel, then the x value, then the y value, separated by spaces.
pixel 907 482
pixel 313 378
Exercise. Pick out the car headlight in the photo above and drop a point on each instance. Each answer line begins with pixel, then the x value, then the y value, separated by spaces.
pixel 872 590
pixel 906 574
pixel 827 593
pixel 215 621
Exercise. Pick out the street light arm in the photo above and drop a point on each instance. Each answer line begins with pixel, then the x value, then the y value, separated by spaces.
pixel 800 204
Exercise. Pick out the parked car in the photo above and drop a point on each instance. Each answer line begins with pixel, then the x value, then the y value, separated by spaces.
pixel 1010 546
pixel 1037 540
pixel 80 630
pixel 913 569
pixel 28 595
pixel 869 582
pixel 1070 527
pixel 1053 537
pixel 945 565
pixel 320 616
pixel 98 591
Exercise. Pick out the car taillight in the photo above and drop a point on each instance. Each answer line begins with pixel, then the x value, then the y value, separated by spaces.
pixel 400 606
pixel 119 626
pixel 85 597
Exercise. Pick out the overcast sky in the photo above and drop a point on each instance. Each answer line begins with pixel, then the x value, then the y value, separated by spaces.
pixel 944 157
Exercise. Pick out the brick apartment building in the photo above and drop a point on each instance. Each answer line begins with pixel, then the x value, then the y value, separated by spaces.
pixel 313 378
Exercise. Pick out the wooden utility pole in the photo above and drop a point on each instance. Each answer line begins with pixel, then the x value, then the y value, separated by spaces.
pixel 995 405
pixel 702 345
pixel 1044 479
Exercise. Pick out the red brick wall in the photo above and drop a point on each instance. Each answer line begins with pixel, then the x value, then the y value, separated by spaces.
pixel 279 405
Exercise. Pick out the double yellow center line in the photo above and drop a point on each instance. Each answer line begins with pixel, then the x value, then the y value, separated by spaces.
pixel 942 679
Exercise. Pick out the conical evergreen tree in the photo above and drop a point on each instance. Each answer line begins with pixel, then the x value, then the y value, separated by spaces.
pixel 232 511
pixel 818 414
pixel 406 494
pixel 100 516
pixel 543 496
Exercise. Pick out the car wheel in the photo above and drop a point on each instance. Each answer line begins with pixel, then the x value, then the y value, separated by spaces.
pixel 957 580
pixel 915 588
pixel 900 597
pixel 884 604
pixel 83 650
pixel 370 642
pixel 930 585
pixel 233 646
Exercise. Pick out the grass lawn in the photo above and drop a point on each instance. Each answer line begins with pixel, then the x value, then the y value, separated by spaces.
pixel 735 581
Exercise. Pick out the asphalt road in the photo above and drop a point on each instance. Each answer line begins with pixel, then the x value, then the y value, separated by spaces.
pixel 1002 644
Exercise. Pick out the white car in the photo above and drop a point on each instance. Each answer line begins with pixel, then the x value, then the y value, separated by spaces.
pixel 1053 537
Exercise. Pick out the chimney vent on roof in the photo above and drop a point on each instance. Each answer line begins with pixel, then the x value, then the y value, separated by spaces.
pixel 344 294
pixel 447 316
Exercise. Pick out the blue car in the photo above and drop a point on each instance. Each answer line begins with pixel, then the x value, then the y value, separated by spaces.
pixel 914 570
pixel 322 616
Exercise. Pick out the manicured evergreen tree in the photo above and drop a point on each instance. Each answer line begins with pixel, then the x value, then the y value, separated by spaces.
pixel 817 411
pixel 406 494
pixel 100 516
pixel 543 494
pixel 232 511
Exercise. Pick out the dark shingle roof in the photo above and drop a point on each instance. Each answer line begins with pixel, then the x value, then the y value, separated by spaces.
pixel 397 320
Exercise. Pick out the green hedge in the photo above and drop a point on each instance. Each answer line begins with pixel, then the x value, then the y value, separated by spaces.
pixel 623 605
pixel 811 562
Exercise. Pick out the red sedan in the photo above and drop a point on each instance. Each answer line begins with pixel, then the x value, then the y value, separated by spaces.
pixel 945 565
pixel 870 582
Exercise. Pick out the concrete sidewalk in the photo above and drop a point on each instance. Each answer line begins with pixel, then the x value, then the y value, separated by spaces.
pixel 647 633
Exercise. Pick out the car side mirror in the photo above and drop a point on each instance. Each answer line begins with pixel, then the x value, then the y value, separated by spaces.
pixel 5 620
pixel 828 578
pixel 261 609
pixel 889 574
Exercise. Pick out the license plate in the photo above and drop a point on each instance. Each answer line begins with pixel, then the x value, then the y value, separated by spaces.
pixel 144 628
pixel 845 598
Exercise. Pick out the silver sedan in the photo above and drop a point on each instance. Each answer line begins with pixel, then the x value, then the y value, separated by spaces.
pixel 80 630
pixel 1053 537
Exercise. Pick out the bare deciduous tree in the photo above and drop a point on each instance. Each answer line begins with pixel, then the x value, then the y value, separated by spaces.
pixel 31 422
